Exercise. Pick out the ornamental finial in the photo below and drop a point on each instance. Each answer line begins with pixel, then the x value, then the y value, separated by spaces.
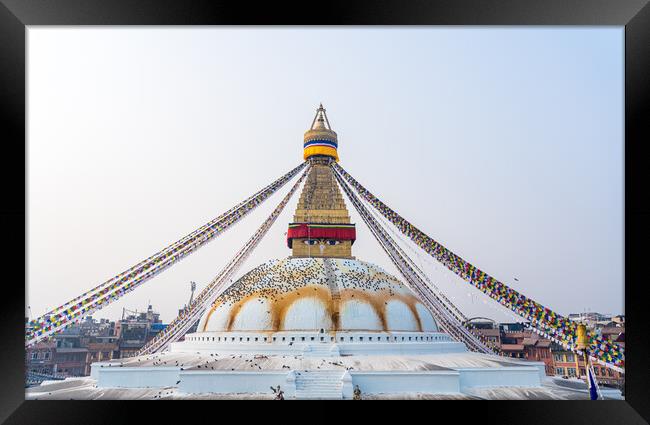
pixel 320 139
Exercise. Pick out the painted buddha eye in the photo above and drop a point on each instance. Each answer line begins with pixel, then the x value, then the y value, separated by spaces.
pixel 333 242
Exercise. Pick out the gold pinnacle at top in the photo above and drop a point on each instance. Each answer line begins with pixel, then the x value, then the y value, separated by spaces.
pixel 320 139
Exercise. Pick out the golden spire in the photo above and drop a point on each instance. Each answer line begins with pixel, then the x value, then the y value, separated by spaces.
pixel 320 139
pixel 320 119
pixel 321 225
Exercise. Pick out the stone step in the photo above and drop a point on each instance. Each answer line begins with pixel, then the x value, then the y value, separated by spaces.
pixel 331 383
pixel 310 396
pixel 334 377
pixel 320 384
pixel 324 384
pixel 321 381
pixel 318 393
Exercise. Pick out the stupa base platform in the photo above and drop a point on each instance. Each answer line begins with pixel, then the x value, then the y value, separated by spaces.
pixel 87 389
pixel 205 375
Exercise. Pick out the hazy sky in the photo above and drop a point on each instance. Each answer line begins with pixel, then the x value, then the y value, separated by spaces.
pixel 504 144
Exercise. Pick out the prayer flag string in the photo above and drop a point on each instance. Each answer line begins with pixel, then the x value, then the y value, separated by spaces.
pixel 102 295
pixel 541 317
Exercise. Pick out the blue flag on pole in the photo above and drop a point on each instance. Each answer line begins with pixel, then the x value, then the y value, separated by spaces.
pixel 593 387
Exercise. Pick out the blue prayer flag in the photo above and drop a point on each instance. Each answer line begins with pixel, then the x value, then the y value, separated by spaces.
pixel 593 388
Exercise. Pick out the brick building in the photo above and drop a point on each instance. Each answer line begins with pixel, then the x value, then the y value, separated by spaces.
pixel 103 349
pixel 71 361
pixel 539 349
pixel 135 330
pixel 71 352
pixel 39 359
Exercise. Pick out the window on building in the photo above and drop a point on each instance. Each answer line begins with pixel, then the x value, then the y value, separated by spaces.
pixel 559 371
pixel 571 371
pixel 570 358
pixel 34 355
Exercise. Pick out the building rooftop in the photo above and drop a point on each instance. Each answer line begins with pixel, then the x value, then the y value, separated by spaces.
pixel 512 347
pixel 490 332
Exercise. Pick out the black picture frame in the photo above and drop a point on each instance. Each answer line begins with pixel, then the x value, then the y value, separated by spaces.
pixel 15 15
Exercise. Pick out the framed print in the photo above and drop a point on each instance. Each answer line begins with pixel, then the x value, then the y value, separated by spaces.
pixel 438 201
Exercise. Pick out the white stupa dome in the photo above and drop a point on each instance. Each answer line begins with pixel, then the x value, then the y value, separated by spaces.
pixel 303 294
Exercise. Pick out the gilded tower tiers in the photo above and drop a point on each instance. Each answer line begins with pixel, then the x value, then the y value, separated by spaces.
pixel 321 225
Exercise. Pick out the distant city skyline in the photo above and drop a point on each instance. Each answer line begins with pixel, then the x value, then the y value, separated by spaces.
pixel 503 144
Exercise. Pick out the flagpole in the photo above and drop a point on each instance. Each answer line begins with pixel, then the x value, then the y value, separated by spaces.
pixel 584 355
pixel 582 341
pixel 581 344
